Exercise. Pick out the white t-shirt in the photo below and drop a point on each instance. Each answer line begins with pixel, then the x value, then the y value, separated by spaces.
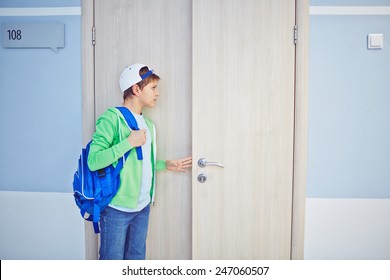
pixel 147 172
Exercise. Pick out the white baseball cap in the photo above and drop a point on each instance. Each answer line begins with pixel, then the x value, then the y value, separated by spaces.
pixel 130 76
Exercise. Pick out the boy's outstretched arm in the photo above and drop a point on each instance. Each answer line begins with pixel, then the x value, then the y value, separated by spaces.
pixel 180 165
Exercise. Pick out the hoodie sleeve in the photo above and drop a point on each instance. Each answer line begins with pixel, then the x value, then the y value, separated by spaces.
pixel 102 151
pixel 160 165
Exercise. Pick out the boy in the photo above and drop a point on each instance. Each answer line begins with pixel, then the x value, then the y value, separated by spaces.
pixel 124 223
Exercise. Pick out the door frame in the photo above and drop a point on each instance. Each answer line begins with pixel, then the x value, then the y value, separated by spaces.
pixel 300 119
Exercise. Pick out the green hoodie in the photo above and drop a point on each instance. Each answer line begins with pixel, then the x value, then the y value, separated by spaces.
pixel 108 146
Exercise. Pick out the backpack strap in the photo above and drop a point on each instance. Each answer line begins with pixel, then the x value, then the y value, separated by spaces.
pixel 132 123
pixel 122 160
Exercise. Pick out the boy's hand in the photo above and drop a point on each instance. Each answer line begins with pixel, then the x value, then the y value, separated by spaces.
pixel 137 138
pixel 181 165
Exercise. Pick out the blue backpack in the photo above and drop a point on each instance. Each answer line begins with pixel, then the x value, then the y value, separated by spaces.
pixel 94 190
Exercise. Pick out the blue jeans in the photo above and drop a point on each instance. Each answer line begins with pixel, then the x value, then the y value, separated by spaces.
pixel 123 235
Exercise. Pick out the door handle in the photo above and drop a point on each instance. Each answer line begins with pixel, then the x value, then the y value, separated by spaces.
pixel 203 163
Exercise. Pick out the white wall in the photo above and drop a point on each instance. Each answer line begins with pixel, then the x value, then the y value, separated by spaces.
pixel 352 229
pixel 40 226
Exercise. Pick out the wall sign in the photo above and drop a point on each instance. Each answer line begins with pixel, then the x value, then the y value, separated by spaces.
pixel 33 35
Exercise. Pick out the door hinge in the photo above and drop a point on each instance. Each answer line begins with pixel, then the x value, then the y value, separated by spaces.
pixel 93 35
pixel 295 34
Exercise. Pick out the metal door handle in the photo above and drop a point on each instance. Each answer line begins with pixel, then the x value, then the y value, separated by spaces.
pixel 203 163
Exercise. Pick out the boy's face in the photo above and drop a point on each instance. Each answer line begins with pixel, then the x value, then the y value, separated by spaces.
pixel 149 94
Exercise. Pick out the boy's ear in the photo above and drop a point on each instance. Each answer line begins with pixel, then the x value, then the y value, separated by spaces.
pixel 136 90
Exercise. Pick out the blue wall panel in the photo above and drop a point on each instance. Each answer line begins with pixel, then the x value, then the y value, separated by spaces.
pixel 350 2
pixel 349 101
pixel 40 111
pixel 39 3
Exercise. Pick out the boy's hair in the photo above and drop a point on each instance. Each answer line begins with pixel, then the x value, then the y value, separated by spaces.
pixel 129 92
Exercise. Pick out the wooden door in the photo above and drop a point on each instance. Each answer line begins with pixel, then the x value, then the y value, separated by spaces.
pixel 156 33
pixel 226 95
pixel 243 118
